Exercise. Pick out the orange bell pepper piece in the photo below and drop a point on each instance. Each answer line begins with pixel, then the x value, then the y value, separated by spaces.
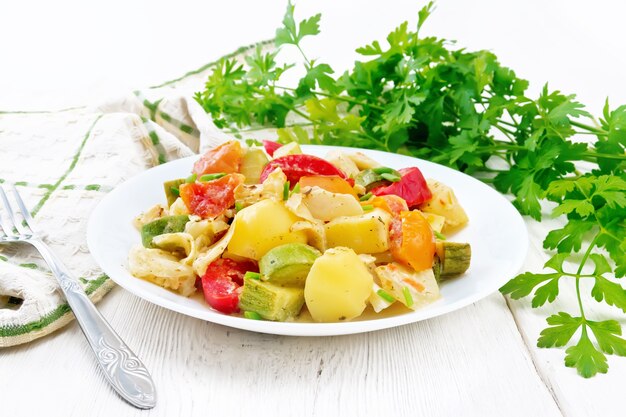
pixel 331 183
pixel 412 241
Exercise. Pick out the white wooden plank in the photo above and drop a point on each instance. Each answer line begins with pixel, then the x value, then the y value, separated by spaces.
pixel 472 362
pixel 576 396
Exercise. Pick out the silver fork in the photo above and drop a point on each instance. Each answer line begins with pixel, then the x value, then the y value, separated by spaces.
pixel 121 367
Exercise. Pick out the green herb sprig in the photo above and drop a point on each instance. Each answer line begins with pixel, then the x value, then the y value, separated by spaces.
pixel 420 96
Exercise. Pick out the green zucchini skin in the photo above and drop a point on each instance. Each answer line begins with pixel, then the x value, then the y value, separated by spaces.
pixel 289 264
pixel 369 179
pixel 372 178
pixel 453 258
pixel 271 302
pixel 168 187
pixel 252 165
pixel 167 224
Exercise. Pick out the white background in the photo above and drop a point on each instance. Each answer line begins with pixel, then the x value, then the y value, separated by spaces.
pixel 67 53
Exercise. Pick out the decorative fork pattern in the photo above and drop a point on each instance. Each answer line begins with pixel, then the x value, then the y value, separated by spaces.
pixel 125 372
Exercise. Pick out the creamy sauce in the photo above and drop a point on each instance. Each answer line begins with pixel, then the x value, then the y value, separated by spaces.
pixel 395 309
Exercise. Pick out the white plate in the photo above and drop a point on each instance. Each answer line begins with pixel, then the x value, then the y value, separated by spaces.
pixel 496 232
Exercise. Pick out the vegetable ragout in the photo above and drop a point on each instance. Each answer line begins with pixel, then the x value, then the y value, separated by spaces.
pixel 266 232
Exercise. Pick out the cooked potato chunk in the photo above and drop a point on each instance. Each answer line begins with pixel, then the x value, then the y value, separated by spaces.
pixel 338 286
pixel 362 161
pixel 365 233
pixel 262 226
pixel 291 148
pixel 444 203
pixel 343 162
pixel 436 221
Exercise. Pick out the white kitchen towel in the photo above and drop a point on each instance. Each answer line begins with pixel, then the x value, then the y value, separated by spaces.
pixel 63 163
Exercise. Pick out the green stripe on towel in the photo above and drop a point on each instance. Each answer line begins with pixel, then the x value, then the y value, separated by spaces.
pixel 155 141
pixel 53 316
pixel 68 171
pixel 156 114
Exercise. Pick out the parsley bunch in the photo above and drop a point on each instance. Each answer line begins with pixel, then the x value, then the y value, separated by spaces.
pixel 420 96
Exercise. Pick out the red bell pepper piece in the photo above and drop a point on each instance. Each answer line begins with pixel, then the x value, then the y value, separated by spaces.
pixel 271 146
pixel 298 166
pixel 412 187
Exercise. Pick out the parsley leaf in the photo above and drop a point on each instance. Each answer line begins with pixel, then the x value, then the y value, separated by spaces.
pixel 290 34
pixel 585 357
pixel 607 334
pixel 562 328
pixel 611 292
pixel 569 238
pixel 523 284
pixel 317 75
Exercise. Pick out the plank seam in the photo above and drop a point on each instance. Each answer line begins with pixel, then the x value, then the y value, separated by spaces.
pixel 533 358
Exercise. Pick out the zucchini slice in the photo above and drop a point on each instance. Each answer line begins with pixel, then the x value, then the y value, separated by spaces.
pixel 452 259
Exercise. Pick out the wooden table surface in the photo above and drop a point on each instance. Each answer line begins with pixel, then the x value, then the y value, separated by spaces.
pixel 479 361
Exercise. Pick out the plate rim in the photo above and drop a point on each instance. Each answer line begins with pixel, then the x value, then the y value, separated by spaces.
pixel 300 328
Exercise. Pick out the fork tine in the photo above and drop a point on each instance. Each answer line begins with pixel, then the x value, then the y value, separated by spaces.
pixel 7 226
pixel 23 209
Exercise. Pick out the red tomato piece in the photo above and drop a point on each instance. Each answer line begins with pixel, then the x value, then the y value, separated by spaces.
pixel 212 198
pixel 224 158
pixel 298 166
pixel 412 187
pixel 222 283
pixel 270 146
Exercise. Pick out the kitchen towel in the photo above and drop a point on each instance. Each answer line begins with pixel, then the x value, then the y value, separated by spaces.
pixel 64 162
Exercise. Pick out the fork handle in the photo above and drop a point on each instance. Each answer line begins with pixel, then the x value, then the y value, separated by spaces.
pixel 121 367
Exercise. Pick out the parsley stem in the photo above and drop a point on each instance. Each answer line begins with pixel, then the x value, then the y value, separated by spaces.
pixel 503 129
pixel 265 127
pixel 580 132
pixel 308 63
pixel 504 122
pixel 500 146
pixel 508 160
pixel 592 154
pixel 592 244
pixel 506 132
pixel 338 98
pixel 497 171
pixel 510 146
pixel 298 112
pixel 589 128
pixel 580 302
pixel 283 103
